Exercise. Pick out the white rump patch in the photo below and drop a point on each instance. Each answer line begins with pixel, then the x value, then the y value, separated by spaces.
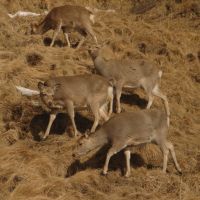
pixel 92 18
pixel 110 92
pixel 160 74
pixel 156 89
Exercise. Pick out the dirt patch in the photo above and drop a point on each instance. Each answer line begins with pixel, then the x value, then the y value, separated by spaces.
pixel 33 59
pixel 165 32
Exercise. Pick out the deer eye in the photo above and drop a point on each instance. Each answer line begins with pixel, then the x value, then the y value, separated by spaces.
pixel 44 95
pixel 80 144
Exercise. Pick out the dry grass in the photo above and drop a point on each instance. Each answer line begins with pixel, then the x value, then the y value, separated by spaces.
pixel 167 33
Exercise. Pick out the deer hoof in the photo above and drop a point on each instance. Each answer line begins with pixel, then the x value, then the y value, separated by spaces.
pixel 127 175
pixel 123 110
pixel 104 173
pixel 77 134
pixel 44 138
pixel 180 172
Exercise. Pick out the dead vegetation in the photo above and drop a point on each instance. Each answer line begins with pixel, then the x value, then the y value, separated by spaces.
pixel 166 32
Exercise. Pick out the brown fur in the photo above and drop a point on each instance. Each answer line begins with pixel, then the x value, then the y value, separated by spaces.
pixel 68 18
pixel 132 74
pixel 126 130
pixel 67 92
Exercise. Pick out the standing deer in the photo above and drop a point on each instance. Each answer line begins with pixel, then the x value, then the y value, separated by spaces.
pixel 68 92
pixel 67 18
pixel 130 74
pixel 126 130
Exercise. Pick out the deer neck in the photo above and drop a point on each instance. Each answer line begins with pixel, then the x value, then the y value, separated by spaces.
pixel 99 63
pixel 99 139
pixel 99 60
pixel 42 28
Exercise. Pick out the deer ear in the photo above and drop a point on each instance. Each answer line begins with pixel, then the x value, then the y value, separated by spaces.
pixel 57 86
pixel 40 85
pixel 93 53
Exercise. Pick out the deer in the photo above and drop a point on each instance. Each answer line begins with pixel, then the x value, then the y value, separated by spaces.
pixel 68 92
pixel 138 73
pixel 124 132
pixel 67 18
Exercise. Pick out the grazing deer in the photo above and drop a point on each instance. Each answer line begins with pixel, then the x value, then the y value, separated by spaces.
pixel 67 18
pixel 126 130
pixel 68 92
pixel 130 74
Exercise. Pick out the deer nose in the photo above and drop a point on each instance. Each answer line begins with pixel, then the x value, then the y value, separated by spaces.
pixel 73 155
pixel 50 103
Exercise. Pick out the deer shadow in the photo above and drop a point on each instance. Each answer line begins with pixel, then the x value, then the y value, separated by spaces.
pixel 47 41
pixel 117 162
pixel 62 122
pixel 131 99
pixel 134 99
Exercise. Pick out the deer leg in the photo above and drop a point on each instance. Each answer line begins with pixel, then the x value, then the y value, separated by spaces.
pixel 113 150
pixel 110 153
pixel 111 105
pixel 170 146
pixel 67 39
pixel 128 157
pixel 158 93
pixel 70 109
pixel 89 30
pixel 118 96
pixel 150 101
pixel 165 151
pixel 55 34
pixel 95 110
pixel 148 90
pixel 103 113
pixel 51 120
pixel 81 42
